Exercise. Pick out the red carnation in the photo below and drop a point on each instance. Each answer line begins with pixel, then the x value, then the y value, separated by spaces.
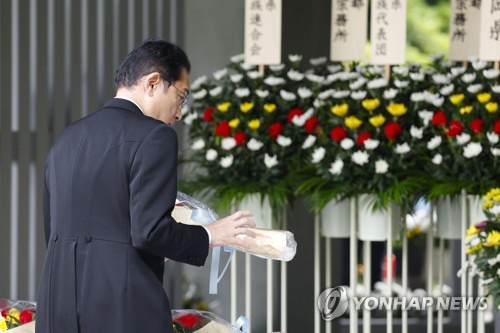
pixel 5 312
pixel 240 138
pixel 455 128
pixel 392 130
pixel 207 114
pixel 338 134
pixel 293 113
pixel 275 130
pixel 189 320
pixel 25 316
pixel 477 125
pixel 223 129
pixel 362 137
pixel 496 127
pixel 439 118
pixel 311 124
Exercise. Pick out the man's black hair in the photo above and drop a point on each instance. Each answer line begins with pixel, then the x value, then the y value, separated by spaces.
pixel 152 56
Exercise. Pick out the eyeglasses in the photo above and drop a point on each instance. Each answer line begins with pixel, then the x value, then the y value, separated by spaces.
pixel 184 96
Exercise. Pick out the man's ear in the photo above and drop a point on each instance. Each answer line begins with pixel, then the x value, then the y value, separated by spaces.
pixel 151 82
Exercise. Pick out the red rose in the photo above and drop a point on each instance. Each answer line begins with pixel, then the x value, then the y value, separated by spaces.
pixel 275 130
pixel 496 127
pixel 25 316
pixel 207 114
pixel 439 118
pixel 240 138
pixel 310 124
pixel 5 312
pixel 362 137
pixel 188 320
pixel 477 125
pixel 392 130
pixel 338 134
pixel 293 113
pixel 455 128
pixel 223 129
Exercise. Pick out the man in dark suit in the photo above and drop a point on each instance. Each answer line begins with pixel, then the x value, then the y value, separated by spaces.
pixel 110 188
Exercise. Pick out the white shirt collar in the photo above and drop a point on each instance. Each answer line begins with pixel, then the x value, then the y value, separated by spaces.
pixel 130 100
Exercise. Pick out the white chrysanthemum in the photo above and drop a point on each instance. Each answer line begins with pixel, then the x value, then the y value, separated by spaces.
pixel 437 159
pixel 295 57
pixel 416 132
pixel 496 89
pixel 235 78
pixel 402 148
pixel 347 143
pixel 277 68
pixel 287 96
pixel 304 92
pixel 377 83
pixel 270 161
pixel 336 167
pixel 227 161
pixel 375 70
pixel 318 155
pixel 318 61
pixel 315 78
pixel 188 120
pixel 371 144
pixel 417 97
pixel 200 94
pixel 274 81
pixel 247 67
pixel 325 94
pixel 283 141
pixel 214 92
pixel 262 93
pixel 400 70
pixel 469 77
pixel 309 142
pixel 437 101
pixel 479 64
pixel 211 154
pixel 360 157
pixel 184 110
pixel 381 166
pixel 463 138
pixel 295 75
pixel 255 75
pixel 446 90
pixel 475 88
pixel 441 79
pixel 198 82
pixel 341 94
pixel 346 76
pixel 254 144
pixel 426 116
pixel 492 137
pixel 358 83
pixel 358 95
pixel 334 68
pixel 491 73
pixel 218 75
pixel 360 69
pixel 417 76
pixel 455 71
pixel 300 120
pixel 228 143
pixel 332 78
pixel 237 58
pixel 434 142
pixel 390 93
pixel 242 92
pixel 472 149
pixel 401 84
pixel 198 144
pixel 495 151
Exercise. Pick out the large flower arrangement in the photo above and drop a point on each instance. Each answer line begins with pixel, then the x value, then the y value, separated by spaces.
pixel 483 241
pixel 15 314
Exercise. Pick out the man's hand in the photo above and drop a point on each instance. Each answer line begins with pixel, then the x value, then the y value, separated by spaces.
pixel 226 231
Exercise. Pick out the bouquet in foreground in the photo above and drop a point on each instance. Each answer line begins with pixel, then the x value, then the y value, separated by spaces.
pixel 194 321
pixel 14 314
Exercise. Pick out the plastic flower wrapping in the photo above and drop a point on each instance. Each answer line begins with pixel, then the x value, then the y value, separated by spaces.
pixel 15 313
pixel 268 243
pixel 194 321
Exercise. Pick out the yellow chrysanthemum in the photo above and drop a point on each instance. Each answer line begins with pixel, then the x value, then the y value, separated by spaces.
pixel 483 97
pixel 3 324
pixel 487 205
pixel 269 107
pixel 370 104
pixel 14 313
pixel 254 124
pixel 474 249
pixel 493 238
pixel 413 232
pixel 377 120
pixel 466 109
pixel 246 107
pixel 396 109
pixel 234 123
pixel 457 99
pixel 340 109
pixel 472 231
pixel 352 122
pixel 491 107
pixel 223 107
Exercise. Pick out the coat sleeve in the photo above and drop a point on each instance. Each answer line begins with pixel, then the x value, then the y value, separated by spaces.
pixel 153 189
